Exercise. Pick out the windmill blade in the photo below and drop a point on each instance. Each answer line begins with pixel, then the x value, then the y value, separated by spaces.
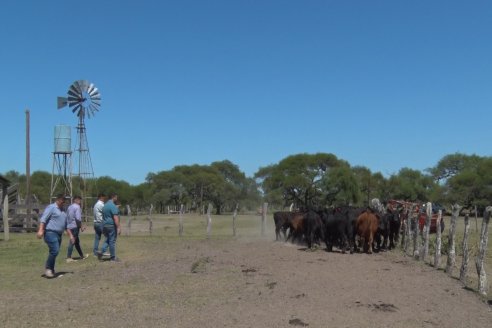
pixel 97 98
pixel 84 85
pixel 79 88
pixel 72 99
pixel 76 108
pixel 95 95
pixel 75 88
pixel 75 93
pixel 74 103
pixel 91 88
pixel 94 91
pixel 61 102
pixel 80 85
pixel 93 108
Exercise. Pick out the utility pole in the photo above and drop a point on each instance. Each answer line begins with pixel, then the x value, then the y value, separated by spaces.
pixel 28 172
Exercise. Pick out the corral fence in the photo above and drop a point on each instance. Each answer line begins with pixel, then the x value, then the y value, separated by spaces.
pixel 416 242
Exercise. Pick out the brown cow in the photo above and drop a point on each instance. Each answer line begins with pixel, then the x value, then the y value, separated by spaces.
pixel 366 227
pixel 296 226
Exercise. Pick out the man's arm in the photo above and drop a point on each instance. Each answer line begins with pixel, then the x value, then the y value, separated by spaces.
pixel 116 219
pixel 42 222
pixel 40 233
pixel 72 238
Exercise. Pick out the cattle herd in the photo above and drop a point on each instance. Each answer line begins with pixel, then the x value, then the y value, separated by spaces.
pixel 346 228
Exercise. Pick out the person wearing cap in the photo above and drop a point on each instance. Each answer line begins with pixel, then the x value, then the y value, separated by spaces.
pixel 51 226
pixel 111 226
pixel 98 222
pixel 74 223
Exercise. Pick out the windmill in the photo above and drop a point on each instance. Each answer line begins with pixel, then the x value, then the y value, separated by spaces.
pixel 84 99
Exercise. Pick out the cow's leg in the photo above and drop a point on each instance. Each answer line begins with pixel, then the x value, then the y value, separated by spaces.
pixel 290 235
pixel 370 241
pixel 385 241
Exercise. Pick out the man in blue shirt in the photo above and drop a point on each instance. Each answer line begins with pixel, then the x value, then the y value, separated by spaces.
pixel 74 223
pixel 111 225
pixel 51 225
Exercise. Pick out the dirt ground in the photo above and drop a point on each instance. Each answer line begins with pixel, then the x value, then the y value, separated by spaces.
pixel 242 283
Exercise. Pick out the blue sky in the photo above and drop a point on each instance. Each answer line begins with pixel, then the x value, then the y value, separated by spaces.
pixel 384 84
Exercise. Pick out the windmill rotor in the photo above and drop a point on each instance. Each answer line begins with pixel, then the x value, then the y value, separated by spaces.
pixel 83 98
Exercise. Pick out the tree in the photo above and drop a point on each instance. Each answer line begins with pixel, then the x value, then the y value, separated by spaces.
pixel 372 185
pixel 411 185
pixel 221 183
pixel 341 187
pixel 472 185
pixel 450 165
pixel 297 178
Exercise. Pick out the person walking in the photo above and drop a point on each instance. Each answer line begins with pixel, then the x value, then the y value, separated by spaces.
pixel 74 223
pixel 98 223
pixel 111 226
pixel 51 226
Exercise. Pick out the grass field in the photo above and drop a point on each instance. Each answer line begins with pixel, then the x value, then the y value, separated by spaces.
pixel 23 253
pixel 157 264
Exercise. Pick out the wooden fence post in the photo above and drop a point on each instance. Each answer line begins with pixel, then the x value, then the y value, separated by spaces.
pixel 403 235
pixel 181 211
pixel 415 236
pixel 408 229
pixel 263 218
pixel 234 220
pixel 484 238
pixel 451 262
pixel 476 219
pixel 6 228
pixel 437 255
pixel 466 255
pixel 129 222
pixel 150 219
pixel 209 220
pixel 425 246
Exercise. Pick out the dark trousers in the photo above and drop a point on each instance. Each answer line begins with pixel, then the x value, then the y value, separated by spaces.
pixel 75 233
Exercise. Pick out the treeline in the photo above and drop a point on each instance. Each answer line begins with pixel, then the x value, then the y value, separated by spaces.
pixel 304 180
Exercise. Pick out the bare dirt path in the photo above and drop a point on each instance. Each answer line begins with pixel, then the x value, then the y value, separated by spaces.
pixel 245 283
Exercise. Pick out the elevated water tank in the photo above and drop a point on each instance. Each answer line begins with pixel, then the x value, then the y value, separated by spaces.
pixel 63 139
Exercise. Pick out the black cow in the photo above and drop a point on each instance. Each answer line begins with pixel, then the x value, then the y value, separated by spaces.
pixel 394 227
pixel 282 222
pixel 352 214
pixel 338 229
pixel 313 228
pixel 382 235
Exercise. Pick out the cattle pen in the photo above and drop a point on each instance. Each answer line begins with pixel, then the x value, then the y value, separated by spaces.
pixel 166 279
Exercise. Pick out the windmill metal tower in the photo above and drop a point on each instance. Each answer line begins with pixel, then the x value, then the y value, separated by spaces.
pixel 84 100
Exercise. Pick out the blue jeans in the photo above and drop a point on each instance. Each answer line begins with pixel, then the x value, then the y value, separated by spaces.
pixel 53 240
pixel 75 233
pixel 98 227
pixel 110 234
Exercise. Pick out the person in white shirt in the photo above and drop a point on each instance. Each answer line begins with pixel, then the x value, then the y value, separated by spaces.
pixel 98 221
